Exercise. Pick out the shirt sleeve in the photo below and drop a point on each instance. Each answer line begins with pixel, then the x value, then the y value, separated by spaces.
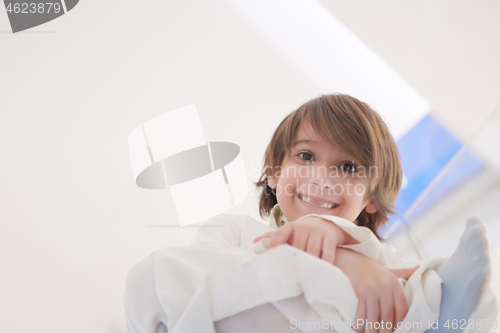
pixel 369 245
pixel 388 255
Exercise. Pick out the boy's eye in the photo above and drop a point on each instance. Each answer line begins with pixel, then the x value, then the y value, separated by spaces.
pixel 306 154
pixel 350 168
pixel 347 168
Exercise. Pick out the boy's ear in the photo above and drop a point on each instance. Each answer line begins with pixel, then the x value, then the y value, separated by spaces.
pixel 371 207
pixel 271 180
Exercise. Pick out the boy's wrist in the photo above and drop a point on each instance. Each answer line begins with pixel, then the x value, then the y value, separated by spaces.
pixel 346 239
pixel 343 255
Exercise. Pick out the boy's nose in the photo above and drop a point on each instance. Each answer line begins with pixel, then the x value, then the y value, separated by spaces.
pixel 321 185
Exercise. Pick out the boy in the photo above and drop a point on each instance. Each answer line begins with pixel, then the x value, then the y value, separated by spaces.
pixel 332 169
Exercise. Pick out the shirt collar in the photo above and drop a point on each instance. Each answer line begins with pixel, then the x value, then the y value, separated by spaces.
pixel 277 217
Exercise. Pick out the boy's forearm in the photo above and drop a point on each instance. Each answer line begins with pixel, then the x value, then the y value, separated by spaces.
pixel 343 257
pixel 342 254
pixel 357 267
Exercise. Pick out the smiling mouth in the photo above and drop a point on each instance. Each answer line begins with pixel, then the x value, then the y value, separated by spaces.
pixel 317 203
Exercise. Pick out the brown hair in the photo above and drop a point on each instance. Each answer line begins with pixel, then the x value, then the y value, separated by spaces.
pixel 350 124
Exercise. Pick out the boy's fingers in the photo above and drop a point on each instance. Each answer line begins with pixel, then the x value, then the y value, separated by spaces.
pixel 360 314
pixel 300 239
pixel 314 244
pixel 387 312
pixel 413 270
pixel 266 235
pixel 329 250
pixel 403 273
pixel 400 304
pixel 280 237
pixel 372 314
pixel 256 239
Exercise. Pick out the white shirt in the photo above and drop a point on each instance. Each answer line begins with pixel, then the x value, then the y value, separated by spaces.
pixel 223 278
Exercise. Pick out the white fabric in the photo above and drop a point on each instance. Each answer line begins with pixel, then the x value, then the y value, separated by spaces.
pixel 225 282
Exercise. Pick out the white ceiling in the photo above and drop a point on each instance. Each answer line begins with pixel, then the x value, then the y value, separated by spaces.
pixel 448 51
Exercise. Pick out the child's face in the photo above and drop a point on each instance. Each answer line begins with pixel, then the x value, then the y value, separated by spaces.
pixel 325 172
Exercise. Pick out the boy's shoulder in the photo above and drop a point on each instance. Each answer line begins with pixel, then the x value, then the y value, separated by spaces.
pixel 242 226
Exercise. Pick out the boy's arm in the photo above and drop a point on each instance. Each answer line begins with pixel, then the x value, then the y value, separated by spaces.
pixel 377 288
pixel 367 243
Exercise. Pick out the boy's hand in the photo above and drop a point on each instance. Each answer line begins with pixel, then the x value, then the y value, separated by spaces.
pixel 379 293
pixel 313 235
